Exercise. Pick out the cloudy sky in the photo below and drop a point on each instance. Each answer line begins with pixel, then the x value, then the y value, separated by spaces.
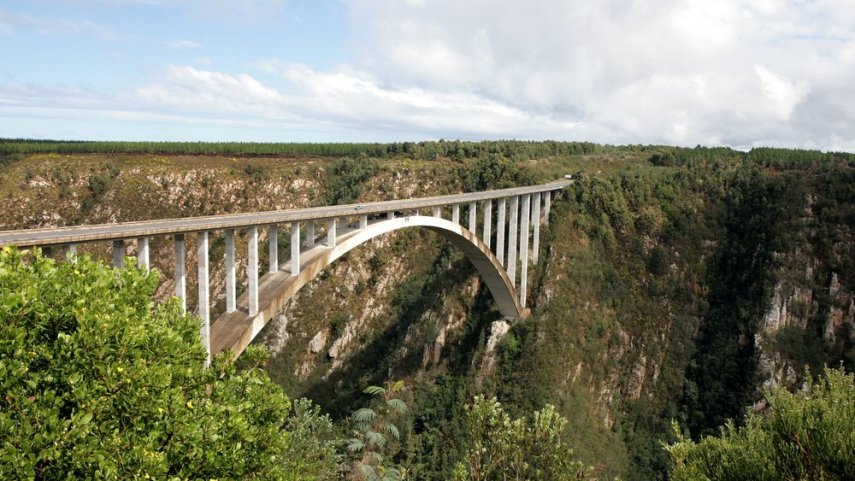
pixel 723 72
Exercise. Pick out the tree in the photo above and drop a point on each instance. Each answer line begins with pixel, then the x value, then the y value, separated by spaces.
pixel 526 448
pixel 374 433
pixel 99 382
pixel 809 434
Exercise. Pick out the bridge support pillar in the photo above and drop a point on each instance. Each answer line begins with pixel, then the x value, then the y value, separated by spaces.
pixel 142 253
pixel 310 233
pixel 231 294
pixel 535 219
pixel 512 241
pixel 252 270
pixel 473 217
pixel 295 248
pixel 204 295
pixel 119 253
pixel 390 215
pixel 272 248
pixel 436 211
pixel 488 221
pixel 363 221
pixel 500 231
pixel 71 254
pixel 178 248
pixel 455 213
pixel 547 201
pixel 331 234
pixel 525 216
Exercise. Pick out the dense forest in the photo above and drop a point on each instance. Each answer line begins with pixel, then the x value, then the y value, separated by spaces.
pixel 693 317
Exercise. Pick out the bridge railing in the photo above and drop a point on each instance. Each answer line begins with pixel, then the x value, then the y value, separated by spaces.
pixel 525 208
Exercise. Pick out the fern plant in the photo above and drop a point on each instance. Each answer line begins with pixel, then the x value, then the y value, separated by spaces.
pixel 376 434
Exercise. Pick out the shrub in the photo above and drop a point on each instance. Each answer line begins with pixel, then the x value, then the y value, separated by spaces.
pixel 809 434
pixel 99 382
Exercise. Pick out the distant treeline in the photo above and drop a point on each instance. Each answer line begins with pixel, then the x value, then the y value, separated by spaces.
pixel 419 150
pixel 428 150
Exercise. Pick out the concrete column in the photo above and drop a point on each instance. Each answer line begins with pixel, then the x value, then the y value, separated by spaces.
pixel 331 234
pixel 436 211
pixel 488 221
pixel 535 220
pixel 272 248
pixel 511 266
pixel 295 248
pixel 119 253
pixel 204 295
pixel 500 232
pixel 473 217
pixel 390 215
pixel 363 221
pixel 310 233
pixel 525 216
pixel 71 253
pixel 252 269
pixel 178 248
pixel 455 213
pixel 142 253
pixel 547 200
pixel 231 291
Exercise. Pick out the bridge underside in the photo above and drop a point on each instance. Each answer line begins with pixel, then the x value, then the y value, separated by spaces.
pixel 235 330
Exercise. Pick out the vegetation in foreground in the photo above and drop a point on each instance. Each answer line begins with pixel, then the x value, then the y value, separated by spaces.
pixel 100 382
pixel 809 434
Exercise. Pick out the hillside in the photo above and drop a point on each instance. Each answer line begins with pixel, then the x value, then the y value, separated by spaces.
pixel 675 283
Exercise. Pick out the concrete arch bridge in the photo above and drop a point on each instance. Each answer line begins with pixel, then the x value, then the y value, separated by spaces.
pixel 320 235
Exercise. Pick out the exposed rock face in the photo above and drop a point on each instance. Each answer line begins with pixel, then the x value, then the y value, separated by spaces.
pixel 318 342
pixel 498 330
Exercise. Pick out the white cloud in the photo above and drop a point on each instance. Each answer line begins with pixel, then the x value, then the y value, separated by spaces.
pixel 736 72
pixel 685 71
pixel 181 44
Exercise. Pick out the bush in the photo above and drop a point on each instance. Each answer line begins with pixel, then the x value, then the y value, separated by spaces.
pixel 99 382
pixel 501 448
pixel 809 434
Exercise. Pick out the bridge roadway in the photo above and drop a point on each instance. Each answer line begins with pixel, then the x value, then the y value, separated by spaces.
pixel 126 230
pixel 502 247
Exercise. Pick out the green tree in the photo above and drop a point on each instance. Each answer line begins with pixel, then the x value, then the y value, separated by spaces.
pixel 806 435
pixel 526 448
pixel 99 382
pixel 377 435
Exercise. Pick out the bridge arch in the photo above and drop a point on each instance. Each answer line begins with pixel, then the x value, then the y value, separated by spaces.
pixel 236 330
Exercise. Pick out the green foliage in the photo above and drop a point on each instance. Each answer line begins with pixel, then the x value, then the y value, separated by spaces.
pixel 346 177
pixel 376 435
pixel 809 434
pixel 763 222
pixel 98 382
pixel 502 448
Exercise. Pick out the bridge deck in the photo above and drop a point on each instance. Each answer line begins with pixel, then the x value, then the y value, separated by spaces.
pixel 128 230
pixel 236 329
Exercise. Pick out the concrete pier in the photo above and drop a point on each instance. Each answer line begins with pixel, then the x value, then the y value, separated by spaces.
pixel 511 266
pixel 295 248
pixel 119 253
pixel 142 253
pixel 204 294
pixel 252 270
pixel 180 271
pixel 525 215
pixel 535 221
pixel 500 231
pixel 231 282
pixel 272 248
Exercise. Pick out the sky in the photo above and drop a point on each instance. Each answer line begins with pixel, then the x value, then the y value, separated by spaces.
pixel 741 73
